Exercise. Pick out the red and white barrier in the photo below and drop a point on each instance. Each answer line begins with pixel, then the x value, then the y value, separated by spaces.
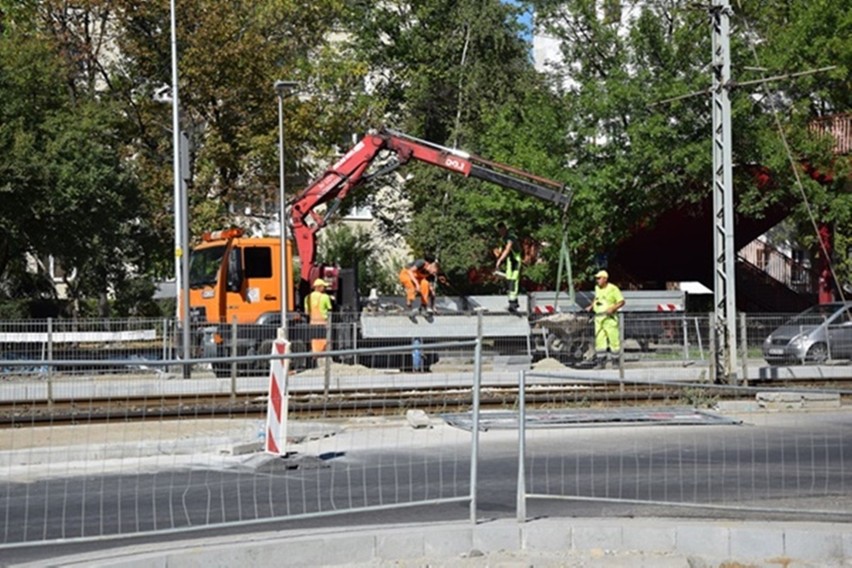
pixel 546 309
pixel 276 409
pixel 669 308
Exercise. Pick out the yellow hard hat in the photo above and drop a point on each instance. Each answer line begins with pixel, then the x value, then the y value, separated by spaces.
pixel 602 274
pixel 320 282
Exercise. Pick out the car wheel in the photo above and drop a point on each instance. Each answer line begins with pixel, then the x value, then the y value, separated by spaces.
pixel 818 353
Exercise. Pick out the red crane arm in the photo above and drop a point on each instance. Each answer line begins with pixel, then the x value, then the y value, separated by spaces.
pixel 348 172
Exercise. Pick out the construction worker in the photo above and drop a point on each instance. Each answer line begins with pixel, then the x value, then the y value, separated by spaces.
pixel 417 277
pixel 608 300
pixel 511 253
pixel 317 306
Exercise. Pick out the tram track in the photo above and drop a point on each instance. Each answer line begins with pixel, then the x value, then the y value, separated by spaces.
pixel 338 404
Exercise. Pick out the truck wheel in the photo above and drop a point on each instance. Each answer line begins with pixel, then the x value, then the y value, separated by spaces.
pixel 299 363
pixel 265 349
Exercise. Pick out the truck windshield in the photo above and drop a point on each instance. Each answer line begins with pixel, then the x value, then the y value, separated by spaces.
pixel 204 266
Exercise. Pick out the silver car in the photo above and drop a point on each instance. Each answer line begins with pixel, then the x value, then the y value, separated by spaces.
pixel 816 335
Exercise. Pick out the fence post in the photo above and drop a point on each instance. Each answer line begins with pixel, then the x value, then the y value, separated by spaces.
pixel 711 341
pixel 234 360
pixel 744 344
pixel 166 343
pixel 50 363
pixel 355 340
pixel 474 446
pixel 698 338
pixel 685 328
pixel 326 385
pixel 521 507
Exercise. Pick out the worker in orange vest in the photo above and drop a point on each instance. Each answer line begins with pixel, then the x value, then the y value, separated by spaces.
pixel 418 278
pixel 317 306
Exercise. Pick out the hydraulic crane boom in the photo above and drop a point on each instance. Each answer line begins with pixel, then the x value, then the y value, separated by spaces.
pixel 336 182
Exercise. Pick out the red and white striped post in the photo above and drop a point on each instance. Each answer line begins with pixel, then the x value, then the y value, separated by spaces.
pixel 276 409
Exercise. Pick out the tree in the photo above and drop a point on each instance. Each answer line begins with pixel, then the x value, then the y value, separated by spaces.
pixel 353 248
pixel 459 74
pixel 638 154
pixel 67 189
pixel 109 63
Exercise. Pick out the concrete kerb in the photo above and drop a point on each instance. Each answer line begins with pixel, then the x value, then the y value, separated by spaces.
pixel 548 542
pixel 240 443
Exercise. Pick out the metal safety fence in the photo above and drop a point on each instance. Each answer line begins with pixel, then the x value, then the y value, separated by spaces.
pixel 108 457
pixel 390 415
pixel 57 349
pixel 661 444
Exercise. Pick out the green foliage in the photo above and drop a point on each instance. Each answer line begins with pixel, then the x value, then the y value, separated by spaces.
pixel 347 247
pixel 86 146
pixel 639 154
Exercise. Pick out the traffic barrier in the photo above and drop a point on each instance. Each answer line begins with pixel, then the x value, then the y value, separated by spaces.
pixel 276 410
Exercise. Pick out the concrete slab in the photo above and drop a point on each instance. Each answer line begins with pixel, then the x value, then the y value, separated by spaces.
pixel 755 543
pixel 500 420
pixel 797 400
pixel 817 545
pixel 443 326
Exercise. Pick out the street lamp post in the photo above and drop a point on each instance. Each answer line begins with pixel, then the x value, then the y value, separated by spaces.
pixel 282 89
pixel 180 205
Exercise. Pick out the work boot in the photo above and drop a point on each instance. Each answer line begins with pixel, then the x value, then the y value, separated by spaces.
pixel 600 363
pixel 513 306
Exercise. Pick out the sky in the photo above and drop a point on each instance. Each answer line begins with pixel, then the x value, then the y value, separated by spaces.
pixel 525 19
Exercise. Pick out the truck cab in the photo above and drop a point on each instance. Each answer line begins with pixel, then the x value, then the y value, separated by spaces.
pixel 236 278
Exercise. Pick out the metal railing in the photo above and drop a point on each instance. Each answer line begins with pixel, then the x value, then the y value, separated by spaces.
pixel 734 450
pixel 106 458
pixel 57 350
pixel 101 475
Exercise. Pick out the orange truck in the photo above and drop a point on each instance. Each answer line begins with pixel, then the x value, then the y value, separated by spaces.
pixel 235 281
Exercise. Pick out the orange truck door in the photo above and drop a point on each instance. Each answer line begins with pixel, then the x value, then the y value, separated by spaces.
pixel 260 290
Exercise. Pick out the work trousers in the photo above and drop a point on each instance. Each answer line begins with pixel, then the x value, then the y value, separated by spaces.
pixel 413 286
pixel 606 334
pixel 513 279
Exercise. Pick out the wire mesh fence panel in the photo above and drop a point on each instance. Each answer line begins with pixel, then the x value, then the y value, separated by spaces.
pixel 669 446
pixel 123 456
pixel 75 342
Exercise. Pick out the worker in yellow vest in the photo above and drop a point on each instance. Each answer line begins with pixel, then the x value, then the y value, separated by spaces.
pixel 317 306
pixel 608 300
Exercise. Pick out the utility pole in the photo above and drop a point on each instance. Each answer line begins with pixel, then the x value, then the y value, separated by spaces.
pixel 724 331
pixel 724 251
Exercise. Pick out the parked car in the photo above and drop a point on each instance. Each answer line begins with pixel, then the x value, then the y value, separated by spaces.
pixel 820 333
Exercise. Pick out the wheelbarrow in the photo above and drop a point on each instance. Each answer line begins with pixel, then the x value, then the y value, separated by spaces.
pixel 569 336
